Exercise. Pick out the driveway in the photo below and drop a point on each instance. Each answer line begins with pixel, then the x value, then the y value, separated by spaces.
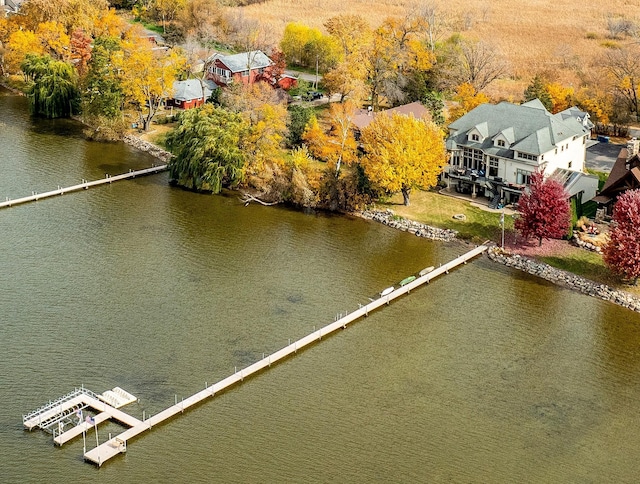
pixel 602 156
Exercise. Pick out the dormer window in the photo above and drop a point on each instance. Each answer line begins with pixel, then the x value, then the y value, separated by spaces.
pixel 475 137
pixel 501 143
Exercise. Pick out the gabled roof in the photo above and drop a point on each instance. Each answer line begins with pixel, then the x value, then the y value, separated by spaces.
pixel 191 89
pixel 508 134
pixel 254 59
pixel 534 130
pixel 624 172
pixel 482 128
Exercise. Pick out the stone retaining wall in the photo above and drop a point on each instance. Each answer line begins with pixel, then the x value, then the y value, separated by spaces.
pixel 566 279
pixel 419 229
pixel 147 147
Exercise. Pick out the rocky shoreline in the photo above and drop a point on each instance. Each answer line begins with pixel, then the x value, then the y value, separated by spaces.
pixel 530 266
pixel 387 217
pixel 147 147
pixel 565 279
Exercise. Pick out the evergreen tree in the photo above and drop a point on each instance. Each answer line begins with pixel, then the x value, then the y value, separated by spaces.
pixel 538 90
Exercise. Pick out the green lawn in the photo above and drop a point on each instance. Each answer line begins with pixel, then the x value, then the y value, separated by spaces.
pixel 438 210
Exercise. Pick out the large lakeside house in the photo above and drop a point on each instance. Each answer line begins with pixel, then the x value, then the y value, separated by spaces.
pixel 495 148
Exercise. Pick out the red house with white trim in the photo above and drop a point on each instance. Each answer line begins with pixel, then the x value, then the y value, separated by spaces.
pixel 245 68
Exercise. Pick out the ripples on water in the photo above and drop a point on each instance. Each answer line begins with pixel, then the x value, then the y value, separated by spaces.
pixel 486 375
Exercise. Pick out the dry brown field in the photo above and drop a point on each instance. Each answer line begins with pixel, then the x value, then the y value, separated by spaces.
pixel 555 37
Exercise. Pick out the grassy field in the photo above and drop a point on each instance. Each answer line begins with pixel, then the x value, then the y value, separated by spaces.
pixel 559 37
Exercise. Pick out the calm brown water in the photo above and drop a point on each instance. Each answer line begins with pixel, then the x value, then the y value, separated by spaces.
pixel 486 375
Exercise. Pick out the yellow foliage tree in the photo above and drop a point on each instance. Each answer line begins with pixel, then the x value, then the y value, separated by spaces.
pixel 597 104
pixel 146 76
pixel 398 48
pixel 402 153
pixel 561 96
pixel 21 43
pixel 108 24
pixel 467 99
pixel 54 39
pixel 338 146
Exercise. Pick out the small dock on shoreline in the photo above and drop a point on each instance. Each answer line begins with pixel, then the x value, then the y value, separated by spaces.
pixel 118 444
pixel 83 186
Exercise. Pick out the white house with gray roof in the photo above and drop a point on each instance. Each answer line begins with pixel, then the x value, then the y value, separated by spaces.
pixel 495 148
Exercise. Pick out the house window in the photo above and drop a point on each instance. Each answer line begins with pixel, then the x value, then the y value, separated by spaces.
pixel 493 166
pixel 501 143
pixel 245 73
pixel 472 159
pixel 526 156
pixel 556 151
pixel 523 177
pixel 569 165
pixel 562 148
pixel 475 137
pixel 584 140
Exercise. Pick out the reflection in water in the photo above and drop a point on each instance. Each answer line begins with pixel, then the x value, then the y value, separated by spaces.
pixel 484 375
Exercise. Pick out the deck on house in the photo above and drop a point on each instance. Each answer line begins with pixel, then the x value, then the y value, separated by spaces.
pixel 116 445
pixel 84 185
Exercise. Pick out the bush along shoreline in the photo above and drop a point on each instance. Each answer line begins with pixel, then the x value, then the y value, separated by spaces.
pixel 565 279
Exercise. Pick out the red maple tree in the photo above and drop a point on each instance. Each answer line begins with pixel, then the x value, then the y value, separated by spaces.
pixel 545 212
pixel 622 253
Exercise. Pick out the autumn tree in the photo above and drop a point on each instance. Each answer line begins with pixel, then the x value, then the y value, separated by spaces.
pixel 204 21
pixel 398 49
pixel 562 97
pixel 20 43
pixel 206 145
pixel 52 89
pixel 466 98
pixel 265 117
pixel 146 76
pixel 352 34
pixel 402 153
pixel 80 47
pixel 544 209
pixel 622 253
pixel 338 146
pixel 71 14
pixel 167 10
pixel 623 66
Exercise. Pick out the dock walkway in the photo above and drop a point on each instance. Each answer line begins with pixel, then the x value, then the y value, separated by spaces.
pixel 83 186
pixel 116 445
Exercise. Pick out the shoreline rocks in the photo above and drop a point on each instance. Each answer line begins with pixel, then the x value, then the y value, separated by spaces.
pixel 387 217
pixel 147 147
pixel 565 279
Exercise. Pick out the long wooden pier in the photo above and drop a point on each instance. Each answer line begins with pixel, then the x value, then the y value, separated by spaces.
pixel 83 186
pixel 116 445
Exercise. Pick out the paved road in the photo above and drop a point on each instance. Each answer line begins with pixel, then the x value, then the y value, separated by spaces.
pixel 602 156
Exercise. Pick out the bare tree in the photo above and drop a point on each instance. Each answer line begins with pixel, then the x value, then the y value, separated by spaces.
pixel 623 65
pixel 435 23
pixel 481 64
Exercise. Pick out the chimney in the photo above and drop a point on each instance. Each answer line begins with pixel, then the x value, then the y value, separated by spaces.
pixel 632 148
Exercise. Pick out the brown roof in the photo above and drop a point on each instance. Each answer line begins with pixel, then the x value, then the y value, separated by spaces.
pixel 362 118
pixel 619 173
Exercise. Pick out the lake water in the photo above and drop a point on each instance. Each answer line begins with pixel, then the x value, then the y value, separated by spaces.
pixel 485 375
